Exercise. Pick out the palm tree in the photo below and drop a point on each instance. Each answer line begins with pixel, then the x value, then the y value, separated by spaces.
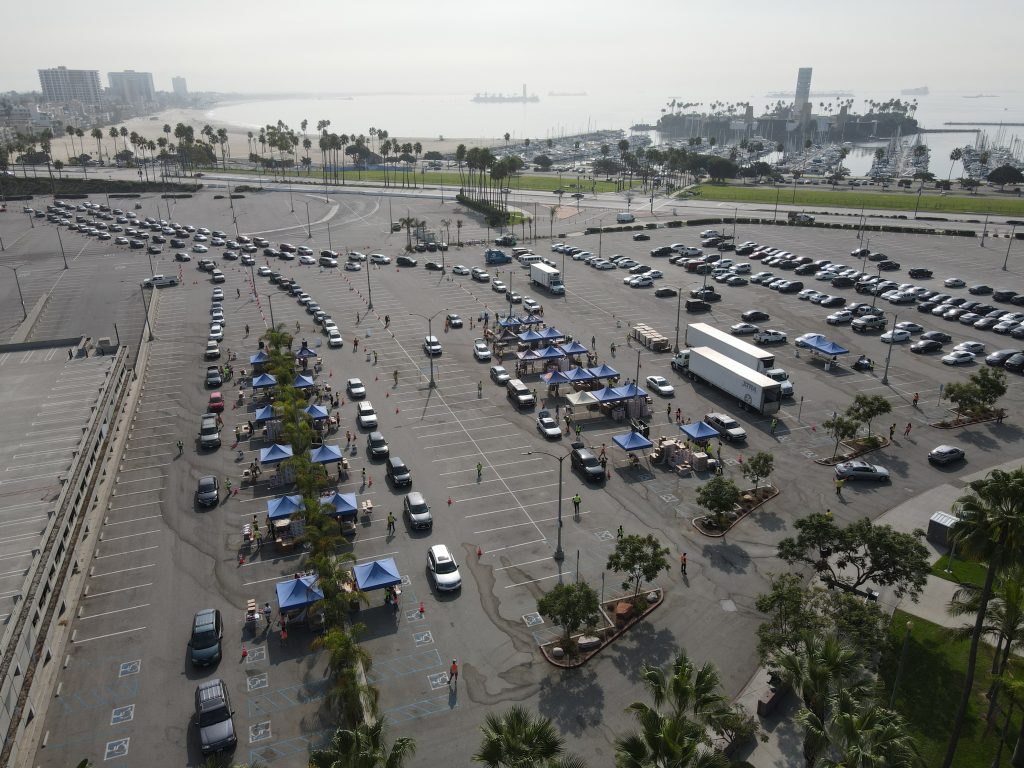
pixel 861 734
pixel 955 155
pixel 990 529
pixel 363 747
pixel 817 669
pixel 97 134
pixel 458 229
pixel 517 739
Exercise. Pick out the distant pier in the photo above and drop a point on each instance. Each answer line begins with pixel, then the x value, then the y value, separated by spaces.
pixel 993 124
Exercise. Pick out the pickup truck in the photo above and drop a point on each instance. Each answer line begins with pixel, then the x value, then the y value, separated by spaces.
pixel 159 281
pixel 770 336
pixel 869 323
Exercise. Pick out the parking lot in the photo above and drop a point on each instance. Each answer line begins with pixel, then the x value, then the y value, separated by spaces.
pixel 128 692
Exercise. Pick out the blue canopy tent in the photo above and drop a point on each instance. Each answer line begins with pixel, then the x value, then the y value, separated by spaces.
pixel 264 380
pixel 824 346
pixel 377 574
pixel 607 395
pixel 550 353
pixel 266 413
pixel 699 431
pixel 555 377
pixel 531 320
pixel 579 374
pixel 603 372
pixel 632 441
pixel 298 593
pixel 275 454
pixel 529 354
pixel 631 390
pixel 259 358
pixel 344 504
pixel 530 336
pixel 325 454
pixel 305 352
pixel 573 348
pixel 552 334
pixel 303 382
pixel 510 321
pixel 316 412
pixel 284 506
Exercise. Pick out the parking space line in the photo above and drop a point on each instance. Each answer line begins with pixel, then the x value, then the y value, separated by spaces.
pixel 471 455
pixel 136 493
pixel 501 479
pixel 115 591
pixel 511 509
pixel 103 637
pixel 135 506
pixel 506 464
pixel 503 493
pixel 123 570
pixel 116 610
pixel 121 554
pixel 514 546
pixel 141 479
pixel 520 565
pixel 542 578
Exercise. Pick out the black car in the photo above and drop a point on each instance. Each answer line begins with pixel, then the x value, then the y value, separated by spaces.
pixel 754 316
pixel 1015 363
pixel 405 261
pixel 664 250
pixel 377 446
pixel 888 266
pixel 208 491
pixel 744 250
pixel 432 266
pixel 979 290
pixel 586 463
pixel 919 273
pixel 1003 295
pixel 842 282
pixel 833 301
pixel 665 292
pixel 1000 356
pixel 639 236
pixel 925 346
pixel 938 336
pixel 806 269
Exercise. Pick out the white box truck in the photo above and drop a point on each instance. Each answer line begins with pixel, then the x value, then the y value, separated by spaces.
pixel 704 335
pixel 547 277
pixel 753 391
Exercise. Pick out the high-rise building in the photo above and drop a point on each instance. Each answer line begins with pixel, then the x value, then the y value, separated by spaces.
pixel 803 89
pixel 131 87
pixel 61 84
pixel 179 86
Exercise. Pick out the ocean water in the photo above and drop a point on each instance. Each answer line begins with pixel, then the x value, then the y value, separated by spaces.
pixel 426 116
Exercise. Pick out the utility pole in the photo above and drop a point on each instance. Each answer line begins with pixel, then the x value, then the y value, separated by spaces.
pixel 888 355
pixel 65 256
pixel 1013 229
pixel 309 228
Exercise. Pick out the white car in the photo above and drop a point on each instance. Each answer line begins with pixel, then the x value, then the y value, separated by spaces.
pixel 355 388
pixel 334 338
pixel 460 269
pixel 974 347
pixel 530 305
pixel 217 241
pixel 958 358
pixel 655 274
pixel 307 259
pixel 895 336
pixel 351 256
pixel 641 281
pixel 304 250
pixel 216 333
pixel 497 286
pixel 954 282
pixel 379 258
pixel 498 374
pixel 366 417
pixel 431 345
pixel 480 350
pixel 807 294
pixel 547 425
pixel 199 248
pixel 218 294
pixel 353 266
pixel 264 271
pixel 604 265
pixel 909 326
pixel 330 326
pixel 840 317
pixel 443 569
pixel 212 350
pixel 660 385
pixel 770 336
pixel 741 269
pixel 743 329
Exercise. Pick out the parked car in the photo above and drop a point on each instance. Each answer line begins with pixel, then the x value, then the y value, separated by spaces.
pixel 861 470
pixel 727 427
pixel 946 454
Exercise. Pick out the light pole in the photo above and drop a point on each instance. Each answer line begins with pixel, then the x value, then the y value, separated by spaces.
pixel 270 302
pixel 31 223
pixel 369 289
pixel 679 309
pixel 888 355
pixel 145 315
pixel 430 332
pixel 18 283
pixel 65 257
pixel 1012 230
pixel 559 553
pixel 309 228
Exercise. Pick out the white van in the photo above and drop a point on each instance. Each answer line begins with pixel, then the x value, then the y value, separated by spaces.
pixel 625 218
pixel 526 259
pixel 520 251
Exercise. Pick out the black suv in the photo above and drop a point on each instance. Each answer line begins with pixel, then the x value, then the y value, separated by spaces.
pixel 586 463
pixel 377 446
pixel 213 717
pixel 405 261
pixel 664 250
pixel 397 472
pixel 207 633
pixel 919 273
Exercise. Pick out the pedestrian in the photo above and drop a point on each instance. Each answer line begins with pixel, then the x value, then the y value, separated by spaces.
pixel 357 317
pixel 668 411
pixel 364 474
pixel 839 486
pixel 375 357
pixel 238 293
pixel 906 432
pixel 255 522
pixel 774 425
pixel 249 424
pixel 227 485
pixel 246 330
pixel 348 438
pixel 238 433
pixel 259 544
pixel 453 673
pixel 999 416
pixel 71 354
pixel 718 454
pixel 266 612
pixel 576 504
pixel 620 533
pixel 579 428
pixel 916 398
pixel 603 452
pixel 604 463
pixel 593 342
pixel 892 431
pixel 682 564
pixel 387 320
pixel 396 377
pixel 479 470
pixel 391 522
pixel 679 415
pixel 181 447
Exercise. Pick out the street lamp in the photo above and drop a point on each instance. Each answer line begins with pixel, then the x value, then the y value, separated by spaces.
pixel 1013 229
pixel 65 257
pixel 145 307
pixel 369 288
pixel 309 228
pixel 679 309
pixel 559 554
pixel 430 332
pixel 18 283
pixel 270 302
pixel 888 355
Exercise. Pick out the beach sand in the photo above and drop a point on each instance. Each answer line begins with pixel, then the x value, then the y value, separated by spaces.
pixel 152 128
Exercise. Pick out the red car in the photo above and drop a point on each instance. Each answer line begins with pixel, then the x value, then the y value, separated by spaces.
pixel 216 404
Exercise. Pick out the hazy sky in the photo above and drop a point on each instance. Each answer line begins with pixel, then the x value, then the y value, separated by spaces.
pixel 668 47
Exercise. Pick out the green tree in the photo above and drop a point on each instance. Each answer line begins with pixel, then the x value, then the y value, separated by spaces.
pixel 640 558
pixel 517 739
pixel 363 747
pixel 955 155
pixel 841 428
pixel 718 496
pixel 758 467
pixel 989 529
pixel 1005 174
pixel 866 408
pixel 991 384
pixel 571 606
pixel 965 395
pixel 860 553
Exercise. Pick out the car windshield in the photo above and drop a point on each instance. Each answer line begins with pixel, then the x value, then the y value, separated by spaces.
pixel 204 639
pixel 214 716
pixel 447 566
pixel 206 484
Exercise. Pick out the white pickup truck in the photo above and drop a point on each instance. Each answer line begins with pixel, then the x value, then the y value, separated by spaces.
pixel 159 281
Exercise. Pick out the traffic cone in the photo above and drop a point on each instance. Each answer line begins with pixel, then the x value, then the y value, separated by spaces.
pixel 396 410
pixel 241 559
pixel 370 484
pixel 479 552
pixel 245 652
pixel 422 611
pixel 449 501
pixel 387 394
pixel 740 458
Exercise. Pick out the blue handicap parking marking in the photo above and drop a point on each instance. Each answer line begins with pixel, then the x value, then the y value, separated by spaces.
pixel 117 748
pixel 122 714
pixel 399 666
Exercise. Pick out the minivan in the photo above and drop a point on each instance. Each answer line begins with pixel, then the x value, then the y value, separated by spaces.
pixel 417 512
pixel 696 305
pixel 209 432
pixel 519 394
pixel 397 472
pixel 529 258
pixel 213 717
pixel 207 632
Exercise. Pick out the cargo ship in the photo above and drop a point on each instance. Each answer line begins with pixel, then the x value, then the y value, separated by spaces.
pixel 498 98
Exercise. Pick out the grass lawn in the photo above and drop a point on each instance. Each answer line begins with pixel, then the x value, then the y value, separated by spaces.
pixel 929 691
pixel 931 202
pixel 533 181
pixel 962 572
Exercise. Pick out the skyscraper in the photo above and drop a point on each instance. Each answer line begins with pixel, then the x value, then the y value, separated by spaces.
pixel 803 89
pixel 179 86
pixel 61 84
pixel 131 87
